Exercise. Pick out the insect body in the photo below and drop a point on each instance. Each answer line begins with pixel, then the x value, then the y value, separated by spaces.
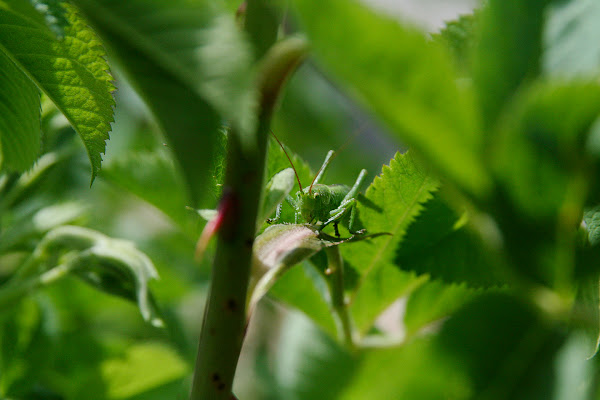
pixel 325 204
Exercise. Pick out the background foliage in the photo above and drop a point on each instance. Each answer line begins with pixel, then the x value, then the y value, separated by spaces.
pixel 486 287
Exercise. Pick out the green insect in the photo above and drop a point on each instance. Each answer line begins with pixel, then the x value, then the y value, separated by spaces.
pixel 322 205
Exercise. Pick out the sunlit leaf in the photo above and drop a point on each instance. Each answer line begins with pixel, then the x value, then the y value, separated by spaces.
pixel 391 204
pixel 71 70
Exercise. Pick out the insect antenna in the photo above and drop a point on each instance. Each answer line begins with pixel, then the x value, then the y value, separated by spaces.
pixel 289 159
pixel 329 159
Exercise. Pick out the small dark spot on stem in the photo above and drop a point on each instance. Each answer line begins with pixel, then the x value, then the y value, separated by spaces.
pixel 231 305
pixel 212 332
pixel 216 377
pixel 221 386
pixel 249 242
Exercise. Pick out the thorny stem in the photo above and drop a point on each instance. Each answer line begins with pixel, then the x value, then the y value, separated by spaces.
pixel 335 281
pixel 225 315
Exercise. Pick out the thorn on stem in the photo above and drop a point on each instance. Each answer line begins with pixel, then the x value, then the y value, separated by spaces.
pixel 225 210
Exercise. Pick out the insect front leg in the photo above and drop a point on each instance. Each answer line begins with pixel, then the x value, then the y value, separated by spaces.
pixel 295 206
pixel 277 214
pixel 356 187
pixel 348 204
pixel 337 214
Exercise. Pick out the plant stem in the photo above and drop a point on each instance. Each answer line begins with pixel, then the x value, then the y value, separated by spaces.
pixel 335 275
pixel 224 322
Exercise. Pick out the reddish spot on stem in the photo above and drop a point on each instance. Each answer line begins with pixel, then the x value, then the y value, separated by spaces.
pixel 226 208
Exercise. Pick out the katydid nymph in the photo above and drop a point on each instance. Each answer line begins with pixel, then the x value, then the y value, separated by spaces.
pixel 320 204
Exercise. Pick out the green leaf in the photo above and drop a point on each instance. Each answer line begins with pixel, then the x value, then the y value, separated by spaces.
pixel 391 204
pixel 309 364
pixel 282 246
pixel 539 145
pixel 203 49
pixel 567 48
pixel 114 266
pixel 276 190
pixel 441 244
pixel 277 161
pixel 591 217
pixel 587 304
pixel 20 117
pixel 544 174
pixel 32 225
pixel 494 347
pixel 458 36
pixel 305 289
pixel 507 52
pixel 142 368
pixel 434 301
pixel 54 15
pixel 193 69
pixel 406 81
pixel 149 175
pixel 72 71
pixel 276 250
pixel 505 346
pixel 408 372
pixel 574 373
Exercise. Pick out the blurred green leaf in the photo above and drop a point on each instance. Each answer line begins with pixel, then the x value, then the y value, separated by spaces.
pixel 412 371
pixel 309 364
pixel 142 368
pixel 538 152
pixel 507 52
pixel 457 36
pixel 568 49
pixel 114 266
pixel 149 175
pixel 544 175
pixel 591 217
pixel 31 226
pixel 494 347
pixel 433 301
pixel 195 42
pixel 438 243
pixel 193 68
pixel 587 314
pixel 505 346
pixel 407 82
pixel 72 71
pixel 304 288
pixel 391 204
pixel 276 190
pixel 574 373
pixel 441 243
